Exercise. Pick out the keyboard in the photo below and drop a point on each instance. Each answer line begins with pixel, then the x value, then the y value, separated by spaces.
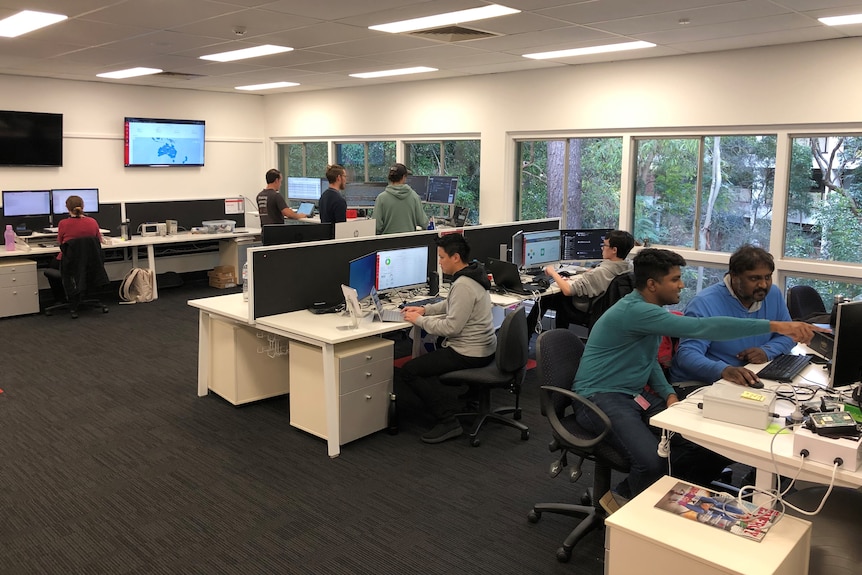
pixel 784 367
pixel 421 302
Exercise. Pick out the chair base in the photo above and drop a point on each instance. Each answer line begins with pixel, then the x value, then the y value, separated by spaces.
pixel 591 518
pixel 73 310
pixel 498 415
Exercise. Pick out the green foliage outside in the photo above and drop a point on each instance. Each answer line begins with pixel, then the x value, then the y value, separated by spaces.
pixel 450 158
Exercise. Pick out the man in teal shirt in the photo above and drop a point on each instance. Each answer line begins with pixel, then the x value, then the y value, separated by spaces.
pixel 620 361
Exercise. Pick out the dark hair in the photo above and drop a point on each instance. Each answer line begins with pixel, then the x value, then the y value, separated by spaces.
pixel 333 171
pixel 397 172
pixel 623 241
pixel 454 244
pixel 75 205
pixel 747 257
pixel 272 175
pixel 652 263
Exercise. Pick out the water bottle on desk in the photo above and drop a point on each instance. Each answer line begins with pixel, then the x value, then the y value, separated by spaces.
pixel 9 237
pixel 245 281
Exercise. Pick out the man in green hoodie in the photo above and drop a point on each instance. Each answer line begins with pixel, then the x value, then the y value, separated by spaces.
pixel 465 319
pixel 398 208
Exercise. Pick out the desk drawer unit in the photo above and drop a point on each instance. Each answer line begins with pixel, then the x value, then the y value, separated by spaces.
pixel 19 288
pixel 363 372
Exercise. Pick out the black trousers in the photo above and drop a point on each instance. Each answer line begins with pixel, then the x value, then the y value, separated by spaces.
pixel 567 313
pixel 420 375
pixel 55 281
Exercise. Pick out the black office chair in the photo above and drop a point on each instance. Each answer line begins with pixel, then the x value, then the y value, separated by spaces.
pixel 82 268
pixel 805 304
pixel 620 286
pixel 506 372
pixel 558 353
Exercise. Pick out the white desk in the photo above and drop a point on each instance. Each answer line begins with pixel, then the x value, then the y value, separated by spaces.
pixel 752 446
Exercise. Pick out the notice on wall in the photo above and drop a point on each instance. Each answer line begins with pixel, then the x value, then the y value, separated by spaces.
pixel 234 206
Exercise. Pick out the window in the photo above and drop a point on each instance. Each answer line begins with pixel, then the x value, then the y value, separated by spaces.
pixel 577 180
pixel 303 159
pixel 710 193
pixel 824 212
pixel 366 161
pixel 449 158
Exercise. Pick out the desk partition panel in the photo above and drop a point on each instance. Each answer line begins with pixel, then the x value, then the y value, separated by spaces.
pixel 188 213
pixel 293 277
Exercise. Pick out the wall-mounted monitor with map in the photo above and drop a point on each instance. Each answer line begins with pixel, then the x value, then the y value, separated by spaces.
pixel 160 143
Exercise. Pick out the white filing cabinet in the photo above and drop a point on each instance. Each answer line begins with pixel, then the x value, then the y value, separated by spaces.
pixel 645 540
pixel 19 287
pixel 238 372
pixel 363 371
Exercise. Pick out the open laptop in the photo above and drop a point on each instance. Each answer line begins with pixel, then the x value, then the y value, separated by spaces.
pixel 306 208
pixel 507 276
pixel 380 312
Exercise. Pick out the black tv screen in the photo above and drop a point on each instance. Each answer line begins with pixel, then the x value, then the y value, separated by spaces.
pixel 161 143
pixel 31 139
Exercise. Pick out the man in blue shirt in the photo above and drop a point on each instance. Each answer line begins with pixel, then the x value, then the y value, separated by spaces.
pixel 746 292
pixel 621 360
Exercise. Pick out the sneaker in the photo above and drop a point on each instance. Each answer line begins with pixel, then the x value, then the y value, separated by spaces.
pixel 446 429
pixel 612 502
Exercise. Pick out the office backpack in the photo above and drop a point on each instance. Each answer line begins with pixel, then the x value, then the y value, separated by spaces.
pixel 137 286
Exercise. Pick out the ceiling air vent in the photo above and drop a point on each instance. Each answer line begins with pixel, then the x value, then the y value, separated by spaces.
pixel 179 75
pixel 452 34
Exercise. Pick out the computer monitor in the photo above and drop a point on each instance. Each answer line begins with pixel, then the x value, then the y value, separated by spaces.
pixel 846 356
pixel 308 189
pixel 442 189
pixel 541 248
pixel 363 274
pixel 276 234
pixel 26 203
pixel 89 195
pixel 583 245
pixel 518 249
pixel 363 195
pixel 419 185
pixel 404 268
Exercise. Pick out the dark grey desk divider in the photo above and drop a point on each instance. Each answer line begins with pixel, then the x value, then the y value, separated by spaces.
pixel 188 213
pixel 293 277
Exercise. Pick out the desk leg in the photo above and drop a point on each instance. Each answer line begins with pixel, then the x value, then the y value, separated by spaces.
pixel 151 261
pixel 764 481
pixel 330 395
pixel 204 351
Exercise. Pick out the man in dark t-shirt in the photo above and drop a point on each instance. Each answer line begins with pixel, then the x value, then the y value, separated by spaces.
pixel 332 205
pixel 271 205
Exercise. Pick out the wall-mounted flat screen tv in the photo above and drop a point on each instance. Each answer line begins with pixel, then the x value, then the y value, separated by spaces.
pixel 31 139
pixel 162 143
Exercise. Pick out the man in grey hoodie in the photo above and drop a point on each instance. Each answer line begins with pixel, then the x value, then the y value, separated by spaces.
pixel 464 319
pixel 398 208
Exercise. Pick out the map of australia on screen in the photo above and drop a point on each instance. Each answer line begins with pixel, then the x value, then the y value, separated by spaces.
pixel 160 143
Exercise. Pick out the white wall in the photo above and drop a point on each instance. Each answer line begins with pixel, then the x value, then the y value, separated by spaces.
pixel 93 115
pixel 792 85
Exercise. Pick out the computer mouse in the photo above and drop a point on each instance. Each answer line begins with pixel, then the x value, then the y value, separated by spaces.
pixel 565 274
pixel 756 384
pixel 543 283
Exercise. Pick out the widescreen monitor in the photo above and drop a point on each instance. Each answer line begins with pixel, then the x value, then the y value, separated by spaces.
pixel 583 245
pixel 419 185
pixel 26 203
pixel 442 189
pixel 275 234
pixel 846 355
pixel 363 274
pixel 404 268
pixel 363 195
pixel 541 248
pixel 89 195
pixel 308 189
pixel 158 142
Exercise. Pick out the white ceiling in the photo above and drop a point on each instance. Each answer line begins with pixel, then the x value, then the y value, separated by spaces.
pixel 331 38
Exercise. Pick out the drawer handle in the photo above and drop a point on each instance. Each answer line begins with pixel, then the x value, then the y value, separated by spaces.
pixel 367 398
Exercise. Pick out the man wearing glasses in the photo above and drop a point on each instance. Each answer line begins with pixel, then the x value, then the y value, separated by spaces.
pixel 332 205
pixel 573 302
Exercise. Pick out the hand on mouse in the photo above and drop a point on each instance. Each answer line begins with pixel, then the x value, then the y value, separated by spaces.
pixel 739 375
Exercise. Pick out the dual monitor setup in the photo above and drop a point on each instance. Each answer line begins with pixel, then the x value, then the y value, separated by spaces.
pixel 44 207
pixel 431 190
pixel 534 250
pixel 389 271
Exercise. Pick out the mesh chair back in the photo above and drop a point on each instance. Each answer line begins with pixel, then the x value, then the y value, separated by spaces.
pixel 558 355
pixel 620 286
pixel 512 343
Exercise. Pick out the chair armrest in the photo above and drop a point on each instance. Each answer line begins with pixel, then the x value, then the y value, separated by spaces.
pixel 557 425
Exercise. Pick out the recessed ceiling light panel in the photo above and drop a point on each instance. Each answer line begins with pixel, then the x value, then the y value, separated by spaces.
pixel 558 54
pixel 842 20
pixel 255 52
pixel 129 73
pixel 398 72
pixel 27 21
pixel 270 86
pixel 459 17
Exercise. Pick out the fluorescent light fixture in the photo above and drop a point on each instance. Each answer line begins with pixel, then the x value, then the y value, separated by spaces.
pixel 399 72
pixel 591 50
pixel 270 86
pixel 459 17
pixel 265 50
pixel 27 21
pixel 842 20
pixel 129 73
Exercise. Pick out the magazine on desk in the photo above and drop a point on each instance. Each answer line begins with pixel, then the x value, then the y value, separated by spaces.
pixel 719 510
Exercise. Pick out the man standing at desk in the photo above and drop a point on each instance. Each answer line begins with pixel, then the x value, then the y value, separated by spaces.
pixel 465 320
pixel 573 301
pixel 332 205
pixel 746 292
pixel 271 205
pixel 398 208
pixel 620 361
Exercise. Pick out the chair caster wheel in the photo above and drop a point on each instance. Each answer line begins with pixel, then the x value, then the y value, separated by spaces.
pixel 475 442
pixel 104 310
pixel 563 555
pixel 533 516
pixel 49 313
pixel 525 435
pixel 74 315
pixel 586 499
